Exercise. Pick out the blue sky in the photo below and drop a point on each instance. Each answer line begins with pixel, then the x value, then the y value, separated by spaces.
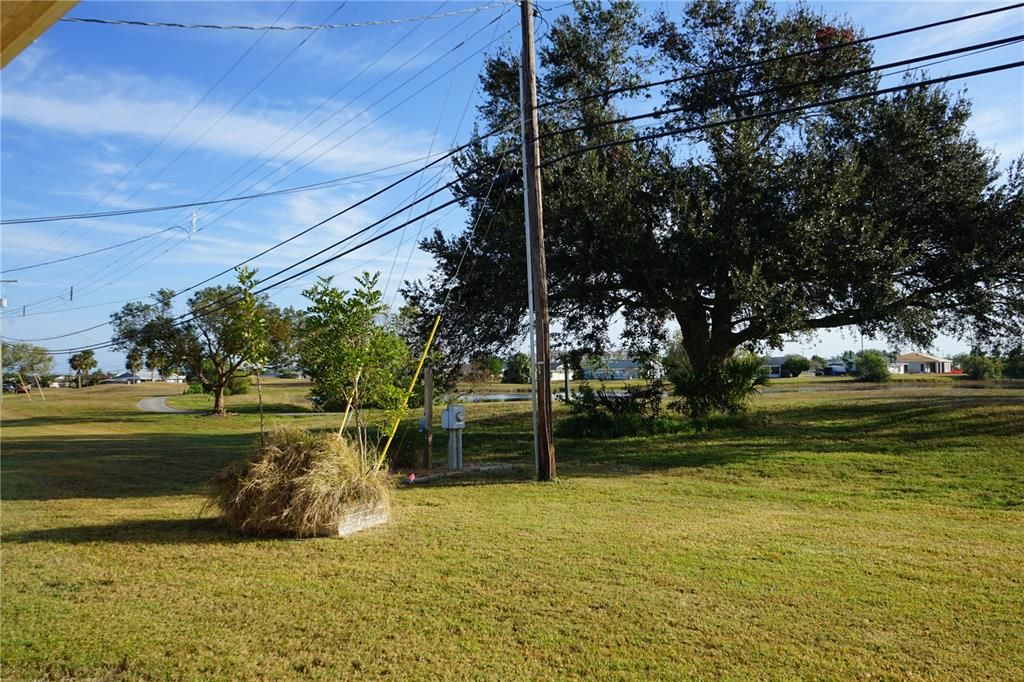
pixel 109 117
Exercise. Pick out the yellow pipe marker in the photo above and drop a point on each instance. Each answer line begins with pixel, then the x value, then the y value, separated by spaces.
pixel 408 393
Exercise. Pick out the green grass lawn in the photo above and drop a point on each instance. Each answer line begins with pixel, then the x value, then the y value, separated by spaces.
pixel 833 533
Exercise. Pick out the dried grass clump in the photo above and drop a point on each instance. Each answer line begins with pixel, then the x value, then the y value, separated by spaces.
pixel 299 483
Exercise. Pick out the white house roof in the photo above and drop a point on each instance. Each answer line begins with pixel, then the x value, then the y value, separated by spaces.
pixel 920 357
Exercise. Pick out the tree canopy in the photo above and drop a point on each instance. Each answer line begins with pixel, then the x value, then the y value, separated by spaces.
pixel 27 359
pixel 211 339
pixel 884 213
pixel 82 363
pixel 352 353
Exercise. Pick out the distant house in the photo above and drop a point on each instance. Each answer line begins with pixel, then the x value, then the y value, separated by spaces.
pixel 124 378
pixel 774 366
pixel 558 369
pixel 617 370
pixel 922 363
pixel 837 368
pixel 62 382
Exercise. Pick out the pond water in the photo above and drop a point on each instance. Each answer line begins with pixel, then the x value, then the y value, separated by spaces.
pixel 776 388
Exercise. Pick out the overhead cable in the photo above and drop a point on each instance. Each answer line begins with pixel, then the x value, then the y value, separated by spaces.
pixel 658 113
pixel 312 27
pixel 307 163
pixel 326 184
pixel 170 131
pixel 668 132
pixel 583 150
pixel 771 60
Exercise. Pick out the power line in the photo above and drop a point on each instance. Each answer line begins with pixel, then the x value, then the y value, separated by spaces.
pixel 771 60
pixel 322 104
pixel 326 184
pixel 219 119
pixel 313 27
pixel 95 251
pixel 279 272
pixel 433 140
pixel 285 241
pixel 583 150
pixel 228 299
pixel 173 128
pixel 380 116
pixel 234 106
pixel 351 207
pixel 787 110
pixel 425 86
pixel 961 51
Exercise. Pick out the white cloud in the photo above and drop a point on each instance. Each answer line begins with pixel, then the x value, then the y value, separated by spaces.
pixel 965 32
pixel 124 105
pixel 104 166
pixel 1000 128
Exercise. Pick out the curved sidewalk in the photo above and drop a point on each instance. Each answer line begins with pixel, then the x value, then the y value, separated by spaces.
pixel 159 404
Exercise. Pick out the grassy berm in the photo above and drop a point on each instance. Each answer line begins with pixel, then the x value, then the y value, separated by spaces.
pixel 837 532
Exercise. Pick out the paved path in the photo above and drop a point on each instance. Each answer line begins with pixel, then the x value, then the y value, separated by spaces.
pixel 159 404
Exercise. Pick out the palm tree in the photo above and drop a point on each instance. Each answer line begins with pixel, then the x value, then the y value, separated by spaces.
pixel 82 363
pixel 133 363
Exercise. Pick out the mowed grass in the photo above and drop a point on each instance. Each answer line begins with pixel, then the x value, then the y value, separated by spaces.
pixel 833 533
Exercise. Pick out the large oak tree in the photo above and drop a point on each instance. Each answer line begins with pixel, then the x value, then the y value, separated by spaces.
pixel 884 213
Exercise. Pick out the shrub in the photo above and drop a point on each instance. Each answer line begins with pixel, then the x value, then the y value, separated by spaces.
pixel 238 384
pixel 603 426
pixel 406 449
pixel 1013 365
pixel 795 365
pixel 727 388
pixel 195 388
pixel 981 367
pixel 872 365
pixel 600 413
pixel 298 483
pixel 517 369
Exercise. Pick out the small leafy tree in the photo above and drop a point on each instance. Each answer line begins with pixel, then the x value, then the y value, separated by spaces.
pixel 795 365
pixel 517 369
pixel 353 355
pixel 872 365
pixel 1013 363
pixel 978 366
pixel 208 341
pixel 284 332
pixel 25 359
pixel 82 363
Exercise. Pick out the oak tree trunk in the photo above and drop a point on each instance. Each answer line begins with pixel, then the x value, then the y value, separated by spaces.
pixel 218 399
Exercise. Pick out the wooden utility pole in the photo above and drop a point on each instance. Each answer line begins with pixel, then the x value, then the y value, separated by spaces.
pixel 428 416
pixel 544 440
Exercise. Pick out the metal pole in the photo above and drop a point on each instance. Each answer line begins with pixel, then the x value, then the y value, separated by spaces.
pixel 565 374
pixel 529 270
pixel 428 416
pixel 535 211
